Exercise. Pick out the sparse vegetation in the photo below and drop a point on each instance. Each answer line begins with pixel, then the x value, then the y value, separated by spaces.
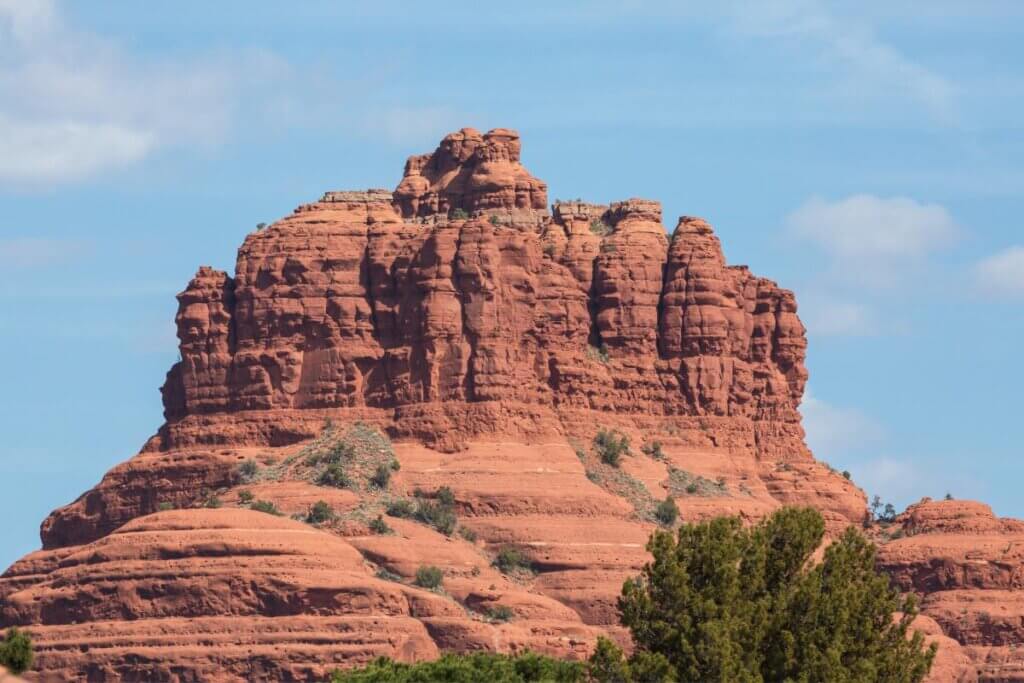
pixel 164 506
pixel 428 576
pixel 383 573
pixel 949 496
pixel 469 668
pixel 683 482
pixel 334 476
pixel 610 446
pixel 213 502
pixel 16 652
pixel 467 534
pixel 320 512
pixel 501 613
pixel 395 465
pixel 437 515
pixel 260 226
pixel 653 450
pixel 403 507
pixel 265 506
pixel 379 526
pixel 495 220
pixel 598 353
pixel 667 511
pixel 382 476
pixel 247 470
pixel 600 228
pixel 510 560
pixel 245 496
pixel 460 214
pixel 846 474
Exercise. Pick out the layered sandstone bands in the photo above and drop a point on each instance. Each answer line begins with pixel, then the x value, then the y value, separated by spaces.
pixel 490 339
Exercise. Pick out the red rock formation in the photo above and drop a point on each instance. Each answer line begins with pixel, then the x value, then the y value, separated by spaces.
pixel 968 567
pixel 490 340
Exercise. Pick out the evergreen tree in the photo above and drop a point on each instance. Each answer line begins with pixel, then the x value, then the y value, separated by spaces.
pixel 724 603
pixel 16 651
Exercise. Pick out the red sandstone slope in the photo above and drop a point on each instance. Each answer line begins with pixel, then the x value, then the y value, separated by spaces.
pixel 490 340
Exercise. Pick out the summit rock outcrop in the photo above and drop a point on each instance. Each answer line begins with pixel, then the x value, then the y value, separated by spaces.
pixel 469 341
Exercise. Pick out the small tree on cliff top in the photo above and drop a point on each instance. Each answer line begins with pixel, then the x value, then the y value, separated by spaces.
pixel 720 602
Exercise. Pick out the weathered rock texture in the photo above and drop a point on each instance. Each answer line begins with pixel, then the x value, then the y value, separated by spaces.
pixel 490 340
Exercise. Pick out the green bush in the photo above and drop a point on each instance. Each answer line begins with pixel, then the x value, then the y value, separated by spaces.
pixel 511 559
pixel 495 220
pixel 469 668
pixel 467 534
pixel 403 507
pixel 599 227
pixel 245 496
pixel 726 602
pixel 395 465
pixel 320 512
pixel 429 577
pixel 460 214
pixel 16 651
pixel 653 449
pixel 501 613
pixel 445 496
pixel 611 445
pixel 265 506
pixel 437 515
pixel 247 470
pixel 334 476
pixel 379 526
pixel 381 477
pixel 212 502
pixel 164 506
pixel 667 511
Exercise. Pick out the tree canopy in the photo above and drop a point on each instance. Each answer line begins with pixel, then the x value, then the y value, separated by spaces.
pixel 723 602
pixel 16 651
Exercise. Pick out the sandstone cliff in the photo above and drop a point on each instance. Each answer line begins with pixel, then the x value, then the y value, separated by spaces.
pixel 460 331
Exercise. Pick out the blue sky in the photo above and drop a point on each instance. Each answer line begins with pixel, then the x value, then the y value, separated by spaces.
pixel 866 155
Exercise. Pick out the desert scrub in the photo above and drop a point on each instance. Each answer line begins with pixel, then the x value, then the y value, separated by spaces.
pixel 428 576
pixel 460 214
pixel 510 560
pixel 467 534
pixel 600 228
pixel 683 482
pixel 437 515
pixel 265 506
pixel 598 353
pixel 320 512
pixel 245 496
pixel 386 575
pixel 500 613
pixel 610 446
pixel 247 471
pixel 334 476
pixel 402 507
pixel 360 458
pixel 379 526
pixel 382 476
pixel 667 512
pixel 652 449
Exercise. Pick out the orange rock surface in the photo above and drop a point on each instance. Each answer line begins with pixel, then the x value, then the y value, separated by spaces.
pixel 459 331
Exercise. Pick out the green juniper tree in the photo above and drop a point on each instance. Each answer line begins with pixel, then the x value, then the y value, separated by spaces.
pixel 721 602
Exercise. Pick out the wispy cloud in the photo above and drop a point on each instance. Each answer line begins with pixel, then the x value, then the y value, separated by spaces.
pixel 871 239
pixel 38 252
pixel 833 429
pixel 864 65
pixel 827 316
pixel 72 104
pixel 1003 272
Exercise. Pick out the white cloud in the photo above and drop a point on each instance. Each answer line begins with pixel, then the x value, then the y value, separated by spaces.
pixel 873 240
pixel 1003 272
pixel 827 316
pixel 71 104
pixel 831 429
pixel 864 66
pixel 35 252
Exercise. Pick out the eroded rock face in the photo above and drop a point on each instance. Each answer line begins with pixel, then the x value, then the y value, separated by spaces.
pixel 968 566
pixel 490 340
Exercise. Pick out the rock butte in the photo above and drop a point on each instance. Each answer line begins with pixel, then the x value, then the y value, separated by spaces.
pixel 490 339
